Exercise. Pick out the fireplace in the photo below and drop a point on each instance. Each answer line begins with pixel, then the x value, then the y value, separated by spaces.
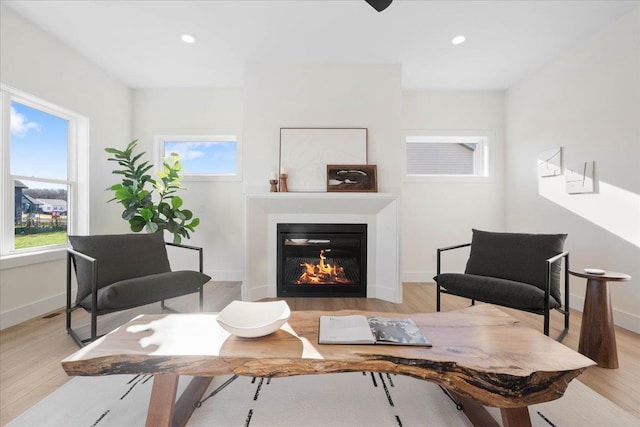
pixel 321 260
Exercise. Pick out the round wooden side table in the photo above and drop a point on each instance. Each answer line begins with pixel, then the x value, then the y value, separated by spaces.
pixel 597 333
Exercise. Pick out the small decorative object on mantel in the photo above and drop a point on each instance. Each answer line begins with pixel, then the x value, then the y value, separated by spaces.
pixel 580 178
pixel 283 180
pixel 273 180
pixel 355 178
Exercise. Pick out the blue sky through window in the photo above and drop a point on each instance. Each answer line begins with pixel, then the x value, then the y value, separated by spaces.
pixel 38 144
pixel 204 157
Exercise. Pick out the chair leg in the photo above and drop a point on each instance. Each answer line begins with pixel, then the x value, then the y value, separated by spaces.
pixel 201 298
pixel 437 297
pixel 94 325
pixel 546 323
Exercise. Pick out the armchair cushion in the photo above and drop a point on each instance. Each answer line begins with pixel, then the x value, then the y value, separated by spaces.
pixel 137 255
pixel 516 257
pixel 139 291
pixel 504 292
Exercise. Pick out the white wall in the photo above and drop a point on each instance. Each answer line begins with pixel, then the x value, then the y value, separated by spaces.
pixel 588 102
pixel 34 62
pixel 321 95
pixel 218 204
pixel 441 213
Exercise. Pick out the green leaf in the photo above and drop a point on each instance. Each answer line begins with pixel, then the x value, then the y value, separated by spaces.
pixel 152 227
pixel 137 223
pixel 176 202
pixel 146 214
pixel 123 194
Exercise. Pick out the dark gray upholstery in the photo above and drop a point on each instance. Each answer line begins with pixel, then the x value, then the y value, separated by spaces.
pixel 120 257
pixel 512 270
pixel 518 257
pixel 146 290
pixel 132 270
pixel 495 290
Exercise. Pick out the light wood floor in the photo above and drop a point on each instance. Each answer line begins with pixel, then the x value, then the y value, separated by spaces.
pixel 30 353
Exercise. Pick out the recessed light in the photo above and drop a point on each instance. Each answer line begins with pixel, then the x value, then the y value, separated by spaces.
pixel 188 38
pixel 458 40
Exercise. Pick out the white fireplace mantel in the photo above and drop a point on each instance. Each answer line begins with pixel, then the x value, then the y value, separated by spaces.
pixel 380 211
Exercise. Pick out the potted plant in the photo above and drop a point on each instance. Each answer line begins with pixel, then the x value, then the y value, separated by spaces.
pixel 136 194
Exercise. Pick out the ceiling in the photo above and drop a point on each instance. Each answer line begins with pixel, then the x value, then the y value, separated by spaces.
pixel 139 43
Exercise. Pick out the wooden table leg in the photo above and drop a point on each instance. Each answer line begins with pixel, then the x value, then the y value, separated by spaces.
pixel 164 411
pixel 163 400
pixel 187 402
pixel 597 333
pixel 515 417
pixel 475 412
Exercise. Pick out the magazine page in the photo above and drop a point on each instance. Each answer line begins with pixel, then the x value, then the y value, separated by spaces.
pixel 352 329
pixel 399 331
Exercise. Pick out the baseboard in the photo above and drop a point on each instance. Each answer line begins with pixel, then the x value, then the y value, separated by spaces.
pixel 26 312
pixel 225 276
pixel 418 276
pixel 258 293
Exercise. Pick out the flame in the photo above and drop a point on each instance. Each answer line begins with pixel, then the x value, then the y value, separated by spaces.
pixel 322 273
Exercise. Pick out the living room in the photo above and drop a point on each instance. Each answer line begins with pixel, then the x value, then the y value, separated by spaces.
pixel 584 99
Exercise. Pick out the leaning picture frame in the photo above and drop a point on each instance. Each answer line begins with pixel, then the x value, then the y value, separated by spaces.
pixel 352 178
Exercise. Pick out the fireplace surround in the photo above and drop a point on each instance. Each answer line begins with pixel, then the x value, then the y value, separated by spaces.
pixel 262 213
pixel 321 260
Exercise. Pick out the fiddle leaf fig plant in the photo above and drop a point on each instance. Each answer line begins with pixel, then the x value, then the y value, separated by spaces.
pixel 136 194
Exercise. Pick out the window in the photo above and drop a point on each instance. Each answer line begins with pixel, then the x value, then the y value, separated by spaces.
pixel 41 190
pixel 446 156
pixel 203 157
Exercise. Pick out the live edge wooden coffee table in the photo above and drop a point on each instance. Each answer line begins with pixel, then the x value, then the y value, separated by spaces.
pixel 481 355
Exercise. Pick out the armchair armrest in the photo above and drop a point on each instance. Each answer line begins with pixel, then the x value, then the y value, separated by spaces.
pixel 447 248
pixel 549 263
pixel 80 254
pixel 71 254
pixel 195 248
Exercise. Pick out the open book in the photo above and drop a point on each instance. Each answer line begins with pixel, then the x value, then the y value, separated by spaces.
pixel 358 329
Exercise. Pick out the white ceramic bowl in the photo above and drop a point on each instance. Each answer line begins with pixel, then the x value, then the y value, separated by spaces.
pixel 253 319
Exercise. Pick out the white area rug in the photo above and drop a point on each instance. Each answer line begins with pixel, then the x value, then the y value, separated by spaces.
pixel 348 399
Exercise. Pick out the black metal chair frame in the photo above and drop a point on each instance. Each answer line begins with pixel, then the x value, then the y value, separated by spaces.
pixel 547 292
pixel 71 253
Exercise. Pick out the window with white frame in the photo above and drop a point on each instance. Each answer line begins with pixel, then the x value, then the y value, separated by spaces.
pixel 446 156
pixel 203 157
pixel 44 174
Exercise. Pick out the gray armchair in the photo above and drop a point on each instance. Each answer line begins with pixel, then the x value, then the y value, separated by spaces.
pixel 121 271
pixel 516 270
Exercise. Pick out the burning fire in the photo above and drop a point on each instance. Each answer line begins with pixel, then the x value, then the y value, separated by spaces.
pixel 322 273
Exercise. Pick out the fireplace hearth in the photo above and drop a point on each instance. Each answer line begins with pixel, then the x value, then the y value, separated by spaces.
pixel 321 260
